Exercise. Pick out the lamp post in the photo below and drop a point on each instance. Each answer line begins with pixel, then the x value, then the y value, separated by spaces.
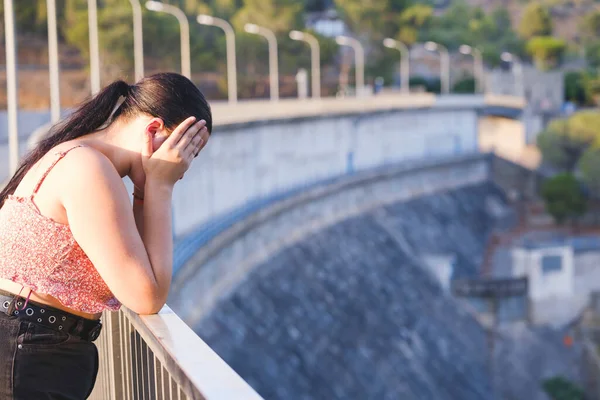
pixel 315 59
pixel 517 69
pixel 444 64
pixel 477 66
pixel 138 41
pixel 53 64
pixel 359 61
pixel 184 27
pixel 230 41
pixel 11 86
pixel 404 61
pixel 94 46
pixel 273 66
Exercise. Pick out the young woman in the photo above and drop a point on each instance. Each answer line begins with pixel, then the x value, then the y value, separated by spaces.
pixel 72 246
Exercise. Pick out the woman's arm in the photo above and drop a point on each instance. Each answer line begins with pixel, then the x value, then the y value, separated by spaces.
pixel 136 267
pixel 100 217
pixel 138 209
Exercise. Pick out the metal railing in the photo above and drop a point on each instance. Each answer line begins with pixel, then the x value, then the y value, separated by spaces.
pixel 159 357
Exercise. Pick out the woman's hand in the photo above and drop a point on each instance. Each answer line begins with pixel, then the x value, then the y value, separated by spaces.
pixel 172 159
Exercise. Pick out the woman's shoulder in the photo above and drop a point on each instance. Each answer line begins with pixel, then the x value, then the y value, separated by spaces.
pixel 82 163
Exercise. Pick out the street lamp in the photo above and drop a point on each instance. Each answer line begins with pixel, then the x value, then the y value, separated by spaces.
pixel 11 85
pixel 53 64
pixel 94 46
pixel 477 65
pixel 359 61
pixel 444 64
pixel 184 27
pixel 315 59
pixel 517 69
pixel 404 61
pixel 273 67
pixel 230 42
pixel 138 41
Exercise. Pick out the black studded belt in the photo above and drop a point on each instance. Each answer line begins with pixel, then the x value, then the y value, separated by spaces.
pixel 50 317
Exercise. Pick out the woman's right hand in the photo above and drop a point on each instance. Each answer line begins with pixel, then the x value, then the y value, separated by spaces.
pixel 173 158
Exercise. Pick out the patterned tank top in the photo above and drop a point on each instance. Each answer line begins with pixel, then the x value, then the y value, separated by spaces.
pixel 42 254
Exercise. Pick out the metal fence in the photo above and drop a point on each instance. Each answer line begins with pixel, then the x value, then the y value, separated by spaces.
pixel 159 357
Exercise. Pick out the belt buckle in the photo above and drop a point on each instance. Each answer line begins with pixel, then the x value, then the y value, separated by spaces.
pixel 94 333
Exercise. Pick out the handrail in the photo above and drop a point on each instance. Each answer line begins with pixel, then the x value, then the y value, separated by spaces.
pixel 160 357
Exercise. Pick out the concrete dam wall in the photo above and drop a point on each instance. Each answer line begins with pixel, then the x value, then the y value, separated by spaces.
pixel 352 312
pixel 349 313
pixel 336 293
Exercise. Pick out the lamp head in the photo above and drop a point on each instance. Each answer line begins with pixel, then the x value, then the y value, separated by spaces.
pixel 389 43
pixel 506 57
pixel 205 19
pixel 431 46
pixel 296 35
pixel 251 28
pixel 341 40
pixel 154 5
pixel 465 49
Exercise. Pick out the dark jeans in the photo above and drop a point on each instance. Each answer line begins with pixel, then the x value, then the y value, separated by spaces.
pixel 39 363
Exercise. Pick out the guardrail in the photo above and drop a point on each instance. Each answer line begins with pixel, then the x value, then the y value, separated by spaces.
pixel 160 357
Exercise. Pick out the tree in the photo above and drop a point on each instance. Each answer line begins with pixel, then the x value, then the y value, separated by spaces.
pixel 559 388
pixel 591 24
pixel 592 53
pixel 373 19
pixel 278 15
pixel 536 21
pixel 594 88
pixel 412 21
pixel 546 51
pixel 317 5
pixel 563 198
pixel 589 165
pixel 564 141
pixel 451 28
pixel 463 24
pixel 577 89
pixel 465 85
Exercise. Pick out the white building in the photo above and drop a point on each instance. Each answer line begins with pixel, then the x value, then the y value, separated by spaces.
pixel 562 273
pixel 326 23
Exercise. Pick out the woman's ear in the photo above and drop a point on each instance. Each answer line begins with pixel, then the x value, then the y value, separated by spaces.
pixel 156 129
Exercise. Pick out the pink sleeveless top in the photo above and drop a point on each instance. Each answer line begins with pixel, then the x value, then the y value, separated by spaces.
pixel 42 254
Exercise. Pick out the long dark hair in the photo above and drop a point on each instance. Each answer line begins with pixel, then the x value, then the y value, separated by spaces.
pixel 169 96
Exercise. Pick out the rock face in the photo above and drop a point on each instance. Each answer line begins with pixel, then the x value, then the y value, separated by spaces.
pixel 353 313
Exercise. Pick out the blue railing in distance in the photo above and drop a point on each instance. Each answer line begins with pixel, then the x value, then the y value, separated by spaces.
pixel 187 246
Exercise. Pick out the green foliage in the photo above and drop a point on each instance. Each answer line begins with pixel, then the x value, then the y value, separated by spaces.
pixel 412 20
pixel 577 88
pixel 536 21
pixel 564 199
pixel 589 166
pixel 565 140
pixel 430 85
pixel 594 86
pixel 465 85
pixel 591 24
pixel 559 388
pixel 592 53
pixel 462 24
pixel 546 51
pixel 280 16
pixel 373 19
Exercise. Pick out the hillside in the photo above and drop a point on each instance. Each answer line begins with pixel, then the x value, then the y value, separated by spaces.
pixel 566 14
